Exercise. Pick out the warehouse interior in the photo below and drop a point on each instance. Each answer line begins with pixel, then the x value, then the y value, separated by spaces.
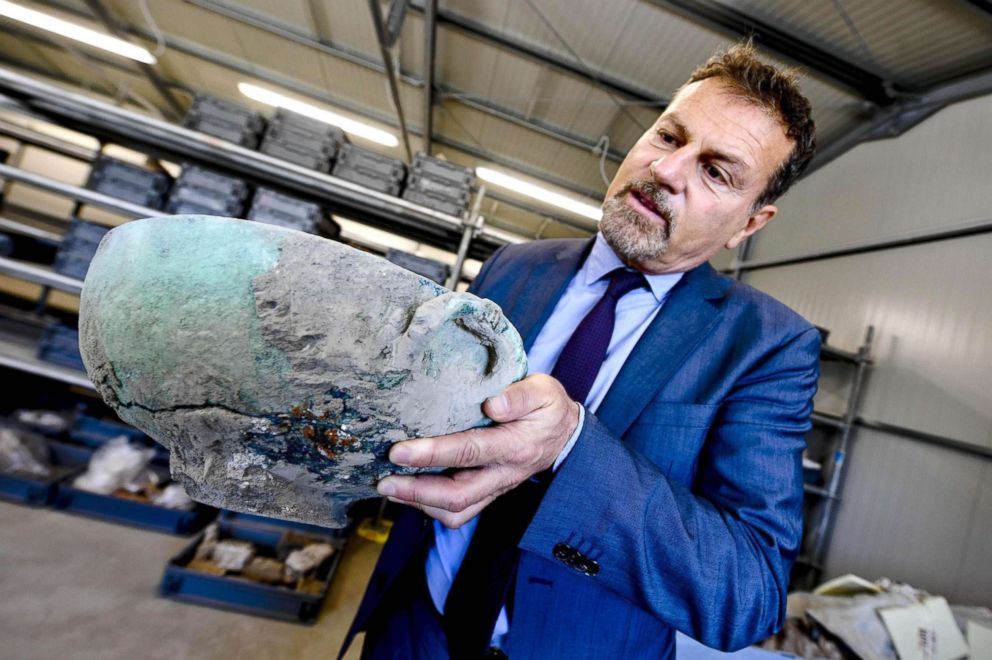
pixel 529 106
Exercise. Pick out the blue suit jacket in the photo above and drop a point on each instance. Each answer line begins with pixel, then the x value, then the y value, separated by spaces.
pixel 685 487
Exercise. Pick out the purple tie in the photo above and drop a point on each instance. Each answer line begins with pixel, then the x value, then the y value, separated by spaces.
pixel 580 360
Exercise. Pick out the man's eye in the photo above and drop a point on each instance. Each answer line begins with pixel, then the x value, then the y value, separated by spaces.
pixel 715 173
pixel 666 137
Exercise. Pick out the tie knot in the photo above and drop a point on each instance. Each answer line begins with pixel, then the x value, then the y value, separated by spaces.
pixel 623 281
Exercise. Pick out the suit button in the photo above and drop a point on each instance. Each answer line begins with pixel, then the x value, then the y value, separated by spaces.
pixel 588 566
pixel 564 553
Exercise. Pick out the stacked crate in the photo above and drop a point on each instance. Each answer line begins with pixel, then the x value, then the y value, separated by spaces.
pixel 78 247
pixel 226 120
pixel 275 208
pixel 129 182
pixel 429 268
pixel 439 185
pixel 370 169
pixel 306 142
pixel 205 192
pixel 60 345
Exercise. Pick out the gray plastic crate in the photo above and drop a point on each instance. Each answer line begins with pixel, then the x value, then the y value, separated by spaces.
pixel 434 202
pixel 442 169
pixel 369 178
pixel 204 200
pixel 314 159
pixel 440 188
pixel 352 157
pixel 429 268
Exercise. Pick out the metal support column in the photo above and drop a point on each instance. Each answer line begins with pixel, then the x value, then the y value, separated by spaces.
pixel 836 465
pixel 473 224
pixel 430 34
pixel 394 90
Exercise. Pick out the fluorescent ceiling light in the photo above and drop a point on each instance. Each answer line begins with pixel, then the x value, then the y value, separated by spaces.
pixel 75 32
pixel 268 97
pixel 537 192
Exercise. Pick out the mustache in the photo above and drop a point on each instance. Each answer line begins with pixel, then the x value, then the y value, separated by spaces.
pixel 652 191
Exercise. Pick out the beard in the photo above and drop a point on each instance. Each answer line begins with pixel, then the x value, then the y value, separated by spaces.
pixel 633 237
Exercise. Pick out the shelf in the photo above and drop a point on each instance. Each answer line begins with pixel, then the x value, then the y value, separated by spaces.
pixel 819 491
pixel 824 419
pixel 18 346
pixel 40 275
pixel 14 227
pixel 830 353
pixel 179 144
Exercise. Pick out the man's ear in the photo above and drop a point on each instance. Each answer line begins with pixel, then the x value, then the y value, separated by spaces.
pixel 759 219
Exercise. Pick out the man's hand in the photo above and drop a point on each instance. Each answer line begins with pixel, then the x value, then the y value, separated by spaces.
pixel 535 418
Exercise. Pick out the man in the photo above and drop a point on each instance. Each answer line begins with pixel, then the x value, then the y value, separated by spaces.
pixel 668 494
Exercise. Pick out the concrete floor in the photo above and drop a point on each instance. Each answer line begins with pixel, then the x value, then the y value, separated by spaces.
pixel 74 587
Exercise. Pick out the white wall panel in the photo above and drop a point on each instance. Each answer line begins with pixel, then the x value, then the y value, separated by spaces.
pixel 935 176
pixel 931 306
pixel 908 513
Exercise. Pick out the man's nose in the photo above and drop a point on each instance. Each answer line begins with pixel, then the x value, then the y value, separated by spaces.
pixel 670 170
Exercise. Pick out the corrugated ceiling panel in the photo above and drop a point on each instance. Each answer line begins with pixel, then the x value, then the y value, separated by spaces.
pixel 907 513
pixel 294 13
pixel 931 307
pixel 275 53
pixel 668 48
pixel 349 23
pixel 567 102
pixel 935 176
pixel 187 21
pixel 357 83
pixel 477 68
pixel 917 41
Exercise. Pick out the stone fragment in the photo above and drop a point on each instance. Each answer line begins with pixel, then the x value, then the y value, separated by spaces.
pixel 264 569
pixel 307 559
pixel 205 566
pixel 278 367
pixel 233 554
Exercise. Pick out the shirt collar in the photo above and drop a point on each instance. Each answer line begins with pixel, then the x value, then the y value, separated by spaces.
pixel 602 260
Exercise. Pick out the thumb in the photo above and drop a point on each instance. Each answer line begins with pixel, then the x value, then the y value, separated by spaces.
pixel 516 401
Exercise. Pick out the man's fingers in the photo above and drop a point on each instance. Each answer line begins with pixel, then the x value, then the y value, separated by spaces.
pixel 517 400
pixel 470 448
pixel 454 520
pixel 456 492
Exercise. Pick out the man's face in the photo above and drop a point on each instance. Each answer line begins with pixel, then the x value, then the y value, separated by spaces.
pixel 687 187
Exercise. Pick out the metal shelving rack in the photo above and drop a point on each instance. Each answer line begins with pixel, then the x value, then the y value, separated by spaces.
pixel 466 236
pixel 174 143
pixel 821 501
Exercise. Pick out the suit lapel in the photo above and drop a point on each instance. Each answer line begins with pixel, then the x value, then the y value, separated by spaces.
pixel 533 302
pixel 687 317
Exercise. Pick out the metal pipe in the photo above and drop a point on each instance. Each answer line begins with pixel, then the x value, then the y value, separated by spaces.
pixel 77 193
pixel 34 138
pixel 947 234
pixel 472 225
pixel 38 275
pixel 387 60
pixel 929 438
pixel 430 52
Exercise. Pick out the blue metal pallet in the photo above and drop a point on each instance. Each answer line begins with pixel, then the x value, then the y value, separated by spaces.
pixel 132 513
pixel 68 461
pixel 242 595
pixel 275 525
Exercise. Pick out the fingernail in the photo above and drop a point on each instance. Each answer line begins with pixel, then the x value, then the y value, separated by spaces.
pixel 497 405
pixel 400 455
pixel 386 487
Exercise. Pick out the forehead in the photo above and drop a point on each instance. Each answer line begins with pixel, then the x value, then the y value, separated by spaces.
pixel 718 118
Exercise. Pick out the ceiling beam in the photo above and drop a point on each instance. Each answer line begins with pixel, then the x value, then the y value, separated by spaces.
pixel 896 119
pixel 247 17
pixel 430 51
pixel 547 57
pixel 732 22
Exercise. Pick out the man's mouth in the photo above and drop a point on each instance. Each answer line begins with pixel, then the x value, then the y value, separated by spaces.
pixel 645 206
